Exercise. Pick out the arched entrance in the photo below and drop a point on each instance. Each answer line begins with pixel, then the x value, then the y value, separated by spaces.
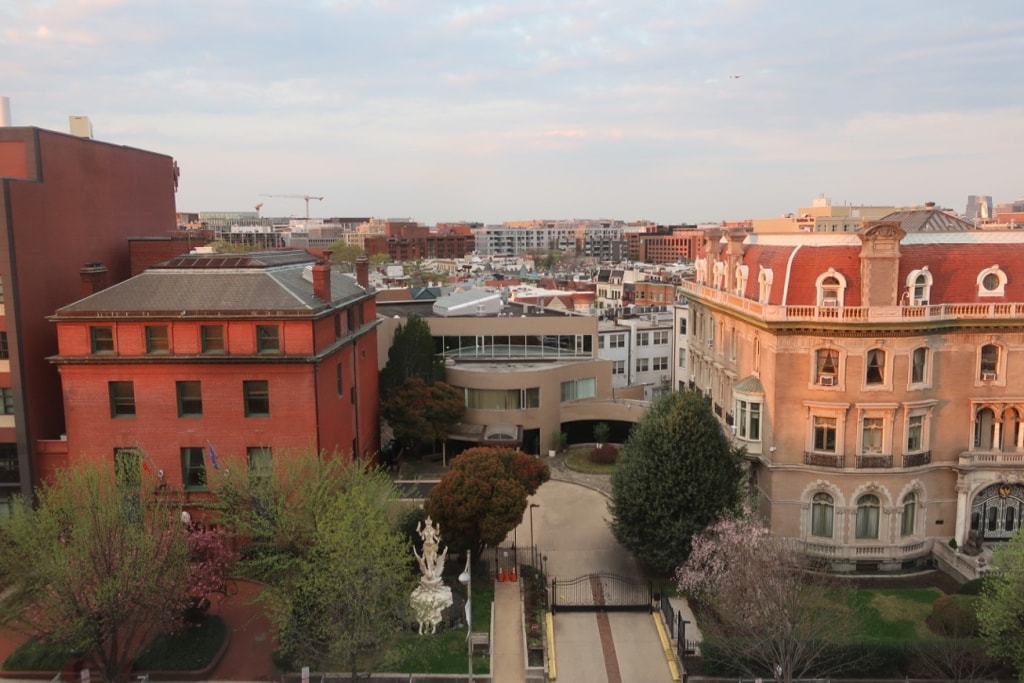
pixel 996 511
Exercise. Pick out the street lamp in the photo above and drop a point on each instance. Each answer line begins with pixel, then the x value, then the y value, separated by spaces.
pixel 466 579
pixel 533 547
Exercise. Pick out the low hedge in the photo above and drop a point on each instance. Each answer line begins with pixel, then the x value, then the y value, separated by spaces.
pixel 190 650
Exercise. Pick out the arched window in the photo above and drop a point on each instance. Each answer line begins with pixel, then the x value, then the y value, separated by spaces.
pixel 992 282
pixel 822 509
pixel 831 288
pixel 826 364
pixel 984 429
pixel 909 514
pixel 764 281
pixel 989 365
pixel 919 366
pixel 919 286
pixel 867 516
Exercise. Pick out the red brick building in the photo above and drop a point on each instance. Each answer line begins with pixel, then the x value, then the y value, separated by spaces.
pixel 64 201
pixel 256 354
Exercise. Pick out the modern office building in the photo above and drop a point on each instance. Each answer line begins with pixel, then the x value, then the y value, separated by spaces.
pixel 65 201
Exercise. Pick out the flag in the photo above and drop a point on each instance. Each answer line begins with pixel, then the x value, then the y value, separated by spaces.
pixel 469 610
pixel 213 455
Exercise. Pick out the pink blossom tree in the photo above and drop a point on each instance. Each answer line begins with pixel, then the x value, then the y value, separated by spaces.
pixel 765 608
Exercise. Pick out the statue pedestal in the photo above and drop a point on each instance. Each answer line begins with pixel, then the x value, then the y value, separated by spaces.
pixel 428 602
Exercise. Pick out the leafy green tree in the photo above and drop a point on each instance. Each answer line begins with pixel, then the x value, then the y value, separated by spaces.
pixel 335 563
pixel 1001 607
pixel 677 473
pixel 101 562
pixel 483 496
pixel 422 413
pixel 411 355
pixel 379 259
pixel 343 252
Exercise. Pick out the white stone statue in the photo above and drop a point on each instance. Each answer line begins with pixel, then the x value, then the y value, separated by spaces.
pixel 431 597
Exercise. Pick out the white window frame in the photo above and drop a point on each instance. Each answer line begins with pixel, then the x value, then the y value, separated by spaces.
pixel 885 369
pixel 987 372
pixel 926 373
pixel 618 367
pixel 818 373
pixel 821 409
pixel 642 365
pixel 838 289
pixel 919 279
pixel 1000 287
pixel 749 422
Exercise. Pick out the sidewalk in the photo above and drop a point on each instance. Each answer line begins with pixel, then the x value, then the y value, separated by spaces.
pixel 508 658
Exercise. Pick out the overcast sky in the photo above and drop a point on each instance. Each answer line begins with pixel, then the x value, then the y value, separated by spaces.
pixel 673 111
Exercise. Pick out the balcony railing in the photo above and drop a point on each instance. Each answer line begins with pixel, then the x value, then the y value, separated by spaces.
pixel 917 459
pixel 825 548
pixel 823 459
pixel 870 314
pixel 874 460
pixel 991 458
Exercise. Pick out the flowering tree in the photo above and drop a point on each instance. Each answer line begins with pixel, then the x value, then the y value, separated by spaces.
pixel 765 610
pixel 99 566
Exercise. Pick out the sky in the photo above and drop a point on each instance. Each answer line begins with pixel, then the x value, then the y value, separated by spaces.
pixel 671 111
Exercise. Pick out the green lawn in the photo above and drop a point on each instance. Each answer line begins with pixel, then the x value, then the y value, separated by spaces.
pixel 576 458
pixel 446 653
pixel 896 614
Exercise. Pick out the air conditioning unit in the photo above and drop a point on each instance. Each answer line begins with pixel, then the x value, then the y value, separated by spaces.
pixel 829 303
pixel 827 380
pixel 989 376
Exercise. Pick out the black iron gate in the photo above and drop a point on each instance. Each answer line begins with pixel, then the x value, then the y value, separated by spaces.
pixel 601 593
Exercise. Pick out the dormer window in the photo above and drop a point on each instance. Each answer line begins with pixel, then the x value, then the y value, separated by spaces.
pixel 992 282
pixel 831 289
pixel 919 286
pixel 741 279
pixel 764 281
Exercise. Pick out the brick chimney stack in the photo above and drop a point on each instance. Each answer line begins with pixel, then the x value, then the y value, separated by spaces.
pixel 94 278
pixel 322 279
pixel 363 272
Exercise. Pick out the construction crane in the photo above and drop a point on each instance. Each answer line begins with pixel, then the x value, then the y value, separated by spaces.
pixel 307 197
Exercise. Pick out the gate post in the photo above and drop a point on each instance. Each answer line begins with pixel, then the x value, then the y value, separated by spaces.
pixel 554 596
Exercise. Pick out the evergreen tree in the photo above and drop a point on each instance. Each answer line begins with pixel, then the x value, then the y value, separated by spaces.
pixel 411 355
pixel 677 473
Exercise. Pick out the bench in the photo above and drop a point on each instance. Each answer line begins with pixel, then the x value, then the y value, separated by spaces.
pixel 480 642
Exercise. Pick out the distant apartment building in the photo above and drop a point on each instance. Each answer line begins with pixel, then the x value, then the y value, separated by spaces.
pixel 255 355
pixel 67 205
pixel 669 244
pixel 412 242
pixel 640 350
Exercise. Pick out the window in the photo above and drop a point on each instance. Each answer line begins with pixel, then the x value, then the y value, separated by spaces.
pixel 617 341
pixel 257 397
pixel 831 287
pixel 871 435
pixel 822 509
pixel 122 399
pixel 867 516
pixel 268 339
pixel 991 282
pixel 659 363
pixel 260 459
pixel 909 515
pixel 642 338
pixel 8 469
pixel 190 398
pixel 340 381
pixel 875 367
pixel 212 338
pixel 989 362
pixel 157 340
pixel 919 366
pixel 748 420
pixel 5 351
pixel 642 364
pixel 619 367
pixel 102 339
pixel 824 434
pixel 337 326
pixel 915 433
pixel 659 337
pixel 503 399
pixel 193 467
pixel 919 285
pixel 827 367
pixel 600 341
pixel 577 389
pixel 682 325
pixel 6 401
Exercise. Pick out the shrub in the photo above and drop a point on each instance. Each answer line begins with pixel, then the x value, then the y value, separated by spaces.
pixel 954 616
pixel 602 430
pixel 972 587
pixel 36 655
pixel 190 650
pixel 605 455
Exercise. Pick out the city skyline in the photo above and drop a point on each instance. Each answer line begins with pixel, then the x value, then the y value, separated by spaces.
pixel 446 111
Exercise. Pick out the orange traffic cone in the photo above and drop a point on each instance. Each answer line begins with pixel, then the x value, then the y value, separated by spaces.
pixel 512 575
pixel 501 573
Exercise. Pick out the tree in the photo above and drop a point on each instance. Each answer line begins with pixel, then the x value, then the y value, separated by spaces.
pixel 343 252
pixel 331 554
pixel 411 355
pixel 764 610
pixel 101 564
pixel 677 473
pixel 380 259
pixel 483 496
pixel 1001 608
pixel 422 413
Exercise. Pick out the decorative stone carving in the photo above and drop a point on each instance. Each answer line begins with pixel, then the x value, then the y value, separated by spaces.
pixel 431 597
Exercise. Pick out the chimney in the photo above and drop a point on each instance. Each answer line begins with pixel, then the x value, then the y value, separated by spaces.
pixel 322 280
pixel 5 112
pixel 94 278
pixel 80 126
pixel 363 272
